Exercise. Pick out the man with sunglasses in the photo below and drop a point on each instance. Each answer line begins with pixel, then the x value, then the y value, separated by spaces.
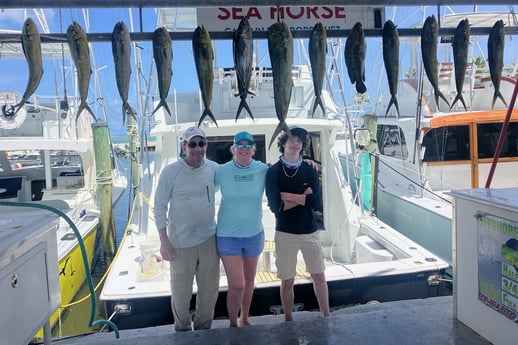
pixel 184 216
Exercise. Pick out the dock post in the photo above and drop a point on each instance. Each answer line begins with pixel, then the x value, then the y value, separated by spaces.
pixel 103 166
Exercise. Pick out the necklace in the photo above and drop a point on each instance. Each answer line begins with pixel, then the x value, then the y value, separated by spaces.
pixel 285 173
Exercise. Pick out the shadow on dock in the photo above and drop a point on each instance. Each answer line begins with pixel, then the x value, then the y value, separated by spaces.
pixel 424 321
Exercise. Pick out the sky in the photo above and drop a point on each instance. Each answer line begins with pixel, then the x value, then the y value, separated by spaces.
pixel 14 71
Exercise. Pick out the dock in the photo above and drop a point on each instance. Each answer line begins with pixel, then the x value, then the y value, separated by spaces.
pixel 423 321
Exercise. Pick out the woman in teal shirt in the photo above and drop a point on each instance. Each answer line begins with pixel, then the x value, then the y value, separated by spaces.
pixel 240 233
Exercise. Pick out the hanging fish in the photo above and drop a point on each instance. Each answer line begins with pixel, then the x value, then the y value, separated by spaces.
pixel 317 47
pixel 391 60
pixel 203 58
pixel 121 48
pixel 243 51
pixel 355 49
pixel 163 55
pixel 78 45
pixel 280 49
pixel 31 44
pixel 429 35
pixel 495 58
pixel 460 58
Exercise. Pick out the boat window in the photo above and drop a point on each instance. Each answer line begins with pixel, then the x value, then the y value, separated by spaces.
pixel 488 135
pixel 218 149
pixel 446 144
pixel 391 141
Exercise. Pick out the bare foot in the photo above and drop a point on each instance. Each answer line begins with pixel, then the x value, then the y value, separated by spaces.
pixel 244 323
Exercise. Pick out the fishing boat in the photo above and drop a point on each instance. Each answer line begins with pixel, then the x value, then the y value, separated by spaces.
pixel 51 160
pixel 424 152
pixel 366 259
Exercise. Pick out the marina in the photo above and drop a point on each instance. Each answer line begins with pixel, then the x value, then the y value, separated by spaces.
pixel 415 250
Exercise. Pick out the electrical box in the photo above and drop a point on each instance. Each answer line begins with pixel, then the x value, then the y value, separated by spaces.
pixel 29 279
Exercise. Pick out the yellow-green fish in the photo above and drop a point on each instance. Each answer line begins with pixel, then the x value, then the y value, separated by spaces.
pixel 78 44
pixel 280 49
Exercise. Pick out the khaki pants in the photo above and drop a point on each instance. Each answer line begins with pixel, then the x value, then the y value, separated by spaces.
pixel 201 261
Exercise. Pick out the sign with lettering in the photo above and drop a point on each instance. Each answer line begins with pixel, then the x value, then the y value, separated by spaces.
pixel 498 264
pixel 297 17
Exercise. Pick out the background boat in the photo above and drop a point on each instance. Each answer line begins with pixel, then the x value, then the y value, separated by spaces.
pixel 429 149
pixel 50 160
pixel 366 259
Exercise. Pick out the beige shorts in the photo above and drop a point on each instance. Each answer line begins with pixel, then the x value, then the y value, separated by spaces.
pixel 287 247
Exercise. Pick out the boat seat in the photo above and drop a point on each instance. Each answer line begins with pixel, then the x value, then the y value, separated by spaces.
pixel 11 186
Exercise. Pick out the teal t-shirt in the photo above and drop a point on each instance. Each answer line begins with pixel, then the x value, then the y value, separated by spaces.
pixel 242 188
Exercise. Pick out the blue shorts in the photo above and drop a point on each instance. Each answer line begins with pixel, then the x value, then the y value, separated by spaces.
pixel 241 246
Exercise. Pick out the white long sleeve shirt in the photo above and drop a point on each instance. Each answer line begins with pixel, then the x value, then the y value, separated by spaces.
pixel 184 203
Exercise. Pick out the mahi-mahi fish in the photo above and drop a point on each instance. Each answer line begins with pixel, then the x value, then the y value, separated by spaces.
pixel 460 58
pixel 78 44
pixel 429 35
pixel 495 58
pixel 355 49
pixel 203 59
pixel 243 51
pixel 163 55
pixel 280 49
pixel 391 60
pixel 317 48
pixel 31 44
pixel 121 49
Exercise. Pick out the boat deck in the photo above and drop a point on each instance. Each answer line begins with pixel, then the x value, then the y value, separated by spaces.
pixel 423 321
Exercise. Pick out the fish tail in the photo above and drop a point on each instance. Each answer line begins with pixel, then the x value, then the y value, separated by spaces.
pixel 84 106
pixel 360 86
pixel 393 101
pixel 127 109
pixel 281 126
pixel 318 102
pixel 244 105
pixel 207 112
pixel 91 112
pixel 438 94
pixel 459 98
pixel 162 103
pixel 498 94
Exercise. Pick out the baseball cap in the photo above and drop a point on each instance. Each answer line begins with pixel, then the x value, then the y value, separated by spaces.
pixel 244 135
pixel 192 132
pixel 299 132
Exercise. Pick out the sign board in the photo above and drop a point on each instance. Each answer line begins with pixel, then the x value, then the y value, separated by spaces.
pixel 297 17
pixel 498 264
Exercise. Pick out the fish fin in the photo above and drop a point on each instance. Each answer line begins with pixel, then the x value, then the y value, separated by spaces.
pixel 84 106
pixel 393 100
pixel 162 103
pixel 281 126
pixel 360 86
pixel 438 94
pixel 498 94
pixel 458 98
pixel 128 110
pixel 244 105
pixel 91 112
pixel 318 102
pixel 210 114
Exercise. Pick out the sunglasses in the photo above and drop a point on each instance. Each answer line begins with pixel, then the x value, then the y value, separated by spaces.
pixel 245 146
pixel 192 144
